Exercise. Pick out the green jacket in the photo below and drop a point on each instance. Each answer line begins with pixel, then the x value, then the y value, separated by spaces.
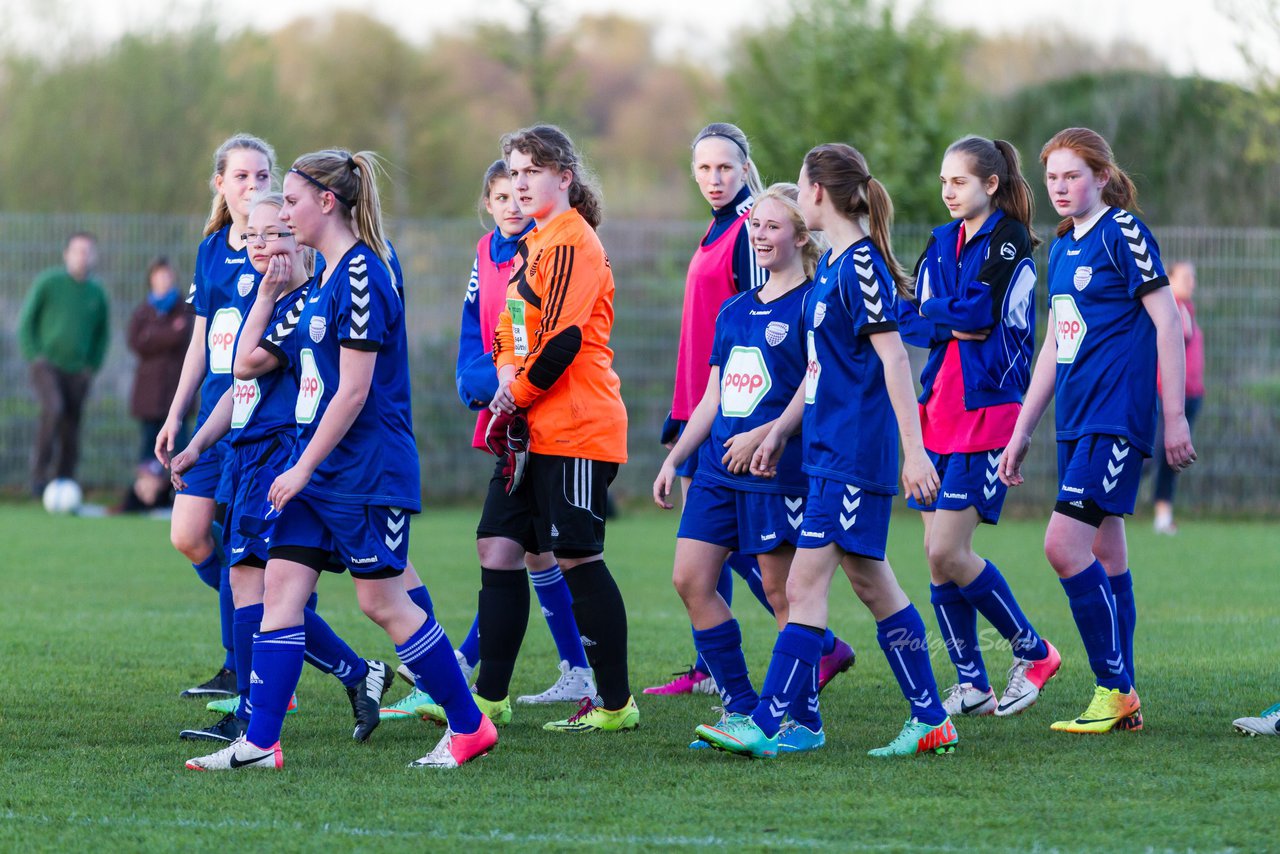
pixel 64 322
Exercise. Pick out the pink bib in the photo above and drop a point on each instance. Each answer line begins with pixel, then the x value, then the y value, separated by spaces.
pixel 493 299
pixel 708 284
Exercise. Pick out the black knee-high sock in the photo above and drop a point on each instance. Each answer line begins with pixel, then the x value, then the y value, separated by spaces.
pixel 503 616
pixel 602 620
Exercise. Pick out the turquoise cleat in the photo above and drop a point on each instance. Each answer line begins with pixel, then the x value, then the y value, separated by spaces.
pixel 920 738
pixel 798 738
pixel 739 734
pixel 405 709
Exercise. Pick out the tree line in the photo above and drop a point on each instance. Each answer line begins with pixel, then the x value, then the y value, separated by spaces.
pixel 131 127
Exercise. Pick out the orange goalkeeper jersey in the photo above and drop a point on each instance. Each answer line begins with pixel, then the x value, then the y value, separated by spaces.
pixel 555 331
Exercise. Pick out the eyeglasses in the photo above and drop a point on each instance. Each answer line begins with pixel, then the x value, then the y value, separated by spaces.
pixel 270 235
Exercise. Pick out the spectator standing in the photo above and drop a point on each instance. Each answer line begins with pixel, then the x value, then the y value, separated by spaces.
pixel 159 332
pixel 1182 281
pixel 62 331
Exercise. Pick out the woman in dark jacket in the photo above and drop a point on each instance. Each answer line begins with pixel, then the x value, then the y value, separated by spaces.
pixel 159 331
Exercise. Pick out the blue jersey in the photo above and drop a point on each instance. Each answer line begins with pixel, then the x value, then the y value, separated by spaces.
pixel 850 434
pixel 760 350
pixel 1106 371
pixel 222 291
pixel 376 463
pixel 263 406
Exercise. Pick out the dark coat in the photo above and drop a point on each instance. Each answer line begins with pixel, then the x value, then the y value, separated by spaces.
pixel 160 342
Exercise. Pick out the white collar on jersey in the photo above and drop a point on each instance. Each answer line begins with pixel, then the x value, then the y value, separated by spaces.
pixel 1083 228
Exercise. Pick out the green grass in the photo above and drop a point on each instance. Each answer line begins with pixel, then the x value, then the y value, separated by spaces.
pixel 101 625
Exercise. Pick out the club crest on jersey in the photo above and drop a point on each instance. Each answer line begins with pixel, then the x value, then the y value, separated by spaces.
pixel 1082 278
pixel 819 312
pixel 1007 252
pixel 244 284
pixel 776 332
pixel 317 329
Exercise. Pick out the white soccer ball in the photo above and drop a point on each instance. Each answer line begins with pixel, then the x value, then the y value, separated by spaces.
pixel 62 496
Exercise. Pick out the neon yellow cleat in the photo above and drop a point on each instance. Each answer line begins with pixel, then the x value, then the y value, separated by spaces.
pixel 593 718
pixel 1107 709
pixel 498 711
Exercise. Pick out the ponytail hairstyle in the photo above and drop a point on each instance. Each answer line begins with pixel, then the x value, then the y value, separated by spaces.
pixel 353 181
pixel 276 200
pixel 997 157
pixel 220 214
pixel 734 134
pixel 550 148
pixel 815 244
pixel 1095 151
pixel 842 171
pixel 497 169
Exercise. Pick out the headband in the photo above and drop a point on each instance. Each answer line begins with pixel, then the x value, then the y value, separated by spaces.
pixel 324 189
pixel 740 146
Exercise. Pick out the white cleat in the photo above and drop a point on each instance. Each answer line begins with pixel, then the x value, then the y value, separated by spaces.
pixel 468 671
pixel 240 754
pixel 406 674
pixel 574 684
pixel 1267 723
pixel 966 700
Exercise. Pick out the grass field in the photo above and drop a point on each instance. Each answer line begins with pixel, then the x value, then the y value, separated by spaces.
pixel 101 625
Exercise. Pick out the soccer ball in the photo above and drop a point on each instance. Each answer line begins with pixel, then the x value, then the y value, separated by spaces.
pixel 62 496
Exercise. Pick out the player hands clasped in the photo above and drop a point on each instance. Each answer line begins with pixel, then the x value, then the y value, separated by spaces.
pixel 1110 316
pixel 258 412
pixel 975 311
pixel 858 380
pixel 757 360
pixel 559 424
pixel 222 290
pixel 353 481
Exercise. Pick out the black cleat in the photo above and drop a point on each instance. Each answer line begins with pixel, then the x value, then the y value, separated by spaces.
pixel 366 699
pixel 223 684
pixel 227 730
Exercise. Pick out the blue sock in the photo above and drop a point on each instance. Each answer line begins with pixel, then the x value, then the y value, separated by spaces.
pixel 721 648
pixel 209 570
pixel 314 602
pixel 1126 616
pixel 990 594
pixel 328 653
pixel 277 665
pixel 247 622
pixel 227 617
pixel 1094 608
pixel 958 622
pixel 902 637
pixel 427 651
pixel 795 655
pixel 828 642
pixel 804 710
pixel 724 586
pixel 470 648
pixel 749 569
pixel 420 597
pixel 557 606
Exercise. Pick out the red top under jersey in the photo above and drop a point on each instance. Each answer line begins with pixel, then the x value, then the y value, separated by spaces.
pixel 708 284
pixel 946 426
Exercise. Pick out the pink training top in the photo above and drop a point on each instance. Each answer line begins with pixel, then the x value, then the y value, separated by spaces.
pixel 948 428
pixel 493 299
pixel 1195 348
pixel 945 425
pixel 708 284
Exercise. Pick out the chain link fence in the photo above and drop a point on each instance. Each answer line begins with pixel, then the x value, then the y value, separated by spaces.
pixel 1238 304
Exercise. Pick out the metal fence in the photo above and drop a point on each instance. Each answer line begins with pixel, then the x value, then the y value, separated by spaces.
pixel 1238 303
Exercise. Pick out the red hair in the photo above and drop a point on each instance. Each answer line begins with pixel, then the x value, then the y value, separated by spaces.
pixel 1095 151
